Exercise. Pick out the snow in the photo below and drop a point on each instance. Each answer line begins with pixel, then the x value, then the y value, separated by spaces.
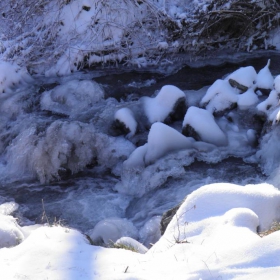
pixel 132 243
pixel 158 108
pixel 219 96
pixel 247 99
pixel 264 78
pixel 125 115
pixel 269 103
pixel 245 76
pixel 203 122
pixel 213 235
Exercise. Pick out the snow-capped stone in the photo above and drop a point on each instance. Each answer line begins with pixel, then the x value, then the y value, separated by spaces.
pixel 125 122
pixel 247 99
pixel 245 76
pixel 157 109
pixel 219 97
pixel 269 103
pixel 132 244
pixel 203 123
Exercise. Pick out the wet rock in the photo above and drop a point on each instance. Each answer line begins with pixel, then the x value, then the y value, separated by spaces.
pixel 237 85
pixel 189 131
pixel 167 217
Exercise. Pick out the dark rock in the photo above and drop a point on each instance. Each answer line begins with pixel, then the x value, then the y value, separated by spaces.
pixel 264 91
pixel 189 131
pixel 167 217
pixel 235 84
pixel 118 128
pixel 179 110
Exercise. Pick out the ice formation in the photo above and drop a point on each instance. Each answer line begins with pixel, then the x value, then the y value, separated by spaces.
pixel 72 97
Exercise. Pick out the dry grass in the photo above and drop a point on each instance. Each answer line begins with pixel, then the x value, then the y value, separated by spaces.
pixel 275 227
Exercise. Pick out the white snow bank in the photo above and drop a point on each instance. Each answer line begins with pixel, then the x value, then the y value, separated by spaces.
pixel 219 221
pixel 264 78
pixel 277 83
pixel 12 75
pixel 219 96
pixel 246 76
pixel 216 207
pixel 157 109
pixel 203 122
pixel 72 97
pixel 110 230
pixel 125 115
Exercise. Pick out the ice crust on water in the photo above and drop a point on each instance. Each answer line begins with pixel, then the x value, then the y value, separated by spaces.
pixel 158 108
pixel 203 122
pixel 110 230
pixel 72 97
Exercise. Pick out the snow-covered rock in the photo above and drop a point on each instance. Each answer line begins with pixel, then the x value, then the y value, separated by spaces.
pixel 132 244
pixel 247 99
pixel 110 230
pixel 245 76
pixel 168 101
pixel 270 103
pixel 125 121
pixel 204 125
pixel 73 97
pixel 219 97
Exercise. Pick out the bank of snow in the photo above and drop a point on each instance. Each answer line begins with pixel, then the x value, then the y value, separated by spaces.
pixel 212 236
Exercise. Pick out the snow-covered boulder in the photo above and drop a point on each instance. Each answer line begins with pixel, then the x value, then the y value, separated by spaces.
pixel 219 97
pixel 124 122
pixel 265 79
pixel 204 126
pixel 270 103
pixel 73 97
pixel 243 78
pixel 131 244
pixel 110 230
pixel 10 232
pixel 169 102
pixel 163 139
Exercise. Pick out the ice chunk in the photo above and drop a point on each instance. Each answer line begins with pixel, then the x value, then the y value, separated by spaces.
pixel 10 232
pixel 110 230
pixel 219 96
pixel 150 232
pixel 132 244
pixel 125 116
pixel 247 99
pixel 158 109
pixel 72 97
pixel 163 139
pixel 245 76
pixel 265 79
pixel 204 124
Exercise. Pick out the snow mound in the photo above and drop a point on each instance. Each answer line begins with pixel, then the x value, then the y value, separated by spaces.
pixel 110 230
pixel 269 103
pixel 245 76
pixel 72 97
pixel 265 79
pixel 10 232
pixel 159 108
pixel 125 116
pixel 203 122
pixel 212 207
pixel 219 96
pixel 133 244
pixel 12 75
